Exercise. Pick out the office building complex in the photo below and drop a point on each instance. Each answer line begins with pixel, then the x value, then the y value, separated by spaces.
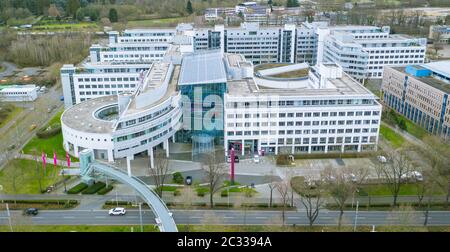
pixel 421 94
pixel 18 93
pixel 215 99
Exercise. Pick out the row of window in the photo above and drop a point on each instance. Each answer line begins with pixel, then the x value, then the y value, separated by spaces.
pixel 322 140
pixel 291 103
pixel 107 79
pixel 300 132
pixel 107 86
pixel 305 114
pixel 305 123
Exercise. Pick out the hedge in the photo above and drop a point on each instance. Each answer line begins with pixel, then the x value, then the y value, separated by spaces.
pixel 176 193
pixel 201 204
pixel 48 202
pixel 105 190
pixel 54 130
pixel 224 193
pixel 94 188
pixel 200 193
pixel 283 159
pixel 78 188
pixel 177 178
pixel 223 205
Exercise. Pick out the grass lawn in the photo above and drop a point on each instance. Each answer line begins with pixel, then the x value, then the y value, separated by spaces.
pixel 78 228
pixel 48 145
pixel 26 176
pixel 56 27
pixel 293 74
pixel 415 130
pixel 2 68
pixel 160 22
pixel 395 139
pixel 10 115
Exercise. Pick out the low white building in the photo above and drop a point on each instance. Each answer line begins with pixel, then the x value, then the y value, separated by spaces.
pixel 18 93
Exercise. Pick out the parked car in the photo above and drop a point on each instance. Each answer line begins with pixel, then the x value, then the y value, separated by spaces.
pixel 188 180
pixel 256 159
pixel 412 176
pixel 236 159
pixel 117 211
pixel 382 159
pixel 31 211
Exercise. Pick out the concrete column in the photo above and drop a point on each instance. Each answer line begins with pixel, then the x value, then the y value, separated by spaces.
pixel 309 149
pixel 276 149
pixel 259 145
pixel 173 139
pixel 359 147
pixel 342 148
pixel 75 150
pixel 243 147
pixel 66 145
pixel 292 149
pixel 150 154
pixel 129 165
pixel 166 143
pixel 110 156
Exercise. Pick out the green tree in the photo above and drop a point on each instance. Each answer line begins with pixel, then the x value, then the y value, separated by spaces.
pixel 72 7
pixel 189 7
pixel 113 16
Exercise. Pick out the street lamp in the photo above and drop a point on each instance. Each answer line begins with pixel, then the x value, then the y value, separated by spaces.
pixel 140 216
pixel 356 216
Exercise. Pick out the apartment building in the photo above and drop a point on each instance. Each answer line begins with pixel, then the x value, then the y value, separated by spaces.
pixel 421 94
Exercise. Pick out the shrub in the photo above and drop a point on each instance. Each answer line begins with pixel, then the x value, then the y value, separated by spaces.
pixel 105 190
pixel 223 205
pixel 200 193
pixel 77 189
pixel 200 204
pixel 176 193
pixel 177 178
pixel 94 188
pixel 48 132
pixel 224 193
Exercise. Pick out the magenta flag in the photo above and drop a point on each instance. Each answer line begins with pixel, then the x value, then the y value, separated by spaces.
pixel 55 161
pixel 68 159
pixel 44 160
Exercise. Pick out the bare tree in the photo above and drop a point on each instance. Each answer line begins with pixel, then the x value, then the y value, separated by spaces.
pixel 340 187
pixel 160 172
pixel 283 188
pixel 437 43
pixel 438 154
pixel 395 170
pixel 271 183
pixel 38 171
pixel 312 196
pixel 214 174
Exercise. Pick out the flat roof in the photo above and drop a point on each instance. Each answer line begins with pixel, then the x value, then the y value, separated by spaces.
pixel 441 67
pixel 202 68
pixel 342 86
pixel 81 116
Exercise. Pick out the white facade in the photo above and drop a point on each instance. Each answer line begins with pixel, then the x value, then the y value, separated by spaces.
pixel 18 93
pixel 334 114
pixel 118 126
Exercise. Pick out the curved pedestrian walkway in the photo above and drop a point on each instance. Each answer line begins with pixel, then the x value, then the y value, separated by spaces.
pixel 163 215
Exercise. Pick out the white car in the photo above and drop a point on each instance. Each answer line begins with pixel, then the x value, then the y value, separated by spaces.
pixel 413 175
pixel 256 159
pixel 117 211
pixel 382 159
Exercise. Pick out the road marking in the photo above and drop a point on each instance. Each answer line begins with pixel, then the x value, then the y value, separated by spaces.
pixel 259 217
pixel 361 218
pixel 325 218
pixel 100 217
pixel 293 217
pixel 69 217
pixel 195 217
pixel 37 217
pixel 131 217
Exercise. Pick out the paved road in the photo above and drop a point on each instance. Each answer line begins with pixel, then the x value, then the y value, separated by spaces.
pixel 229 217
pixel 9 69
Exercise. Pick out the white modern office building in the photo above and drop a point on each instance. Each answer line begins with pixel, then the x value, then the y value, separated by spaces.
pixel 99 79
pixel 18 93
pixel 363 51
pixel 129 123
pixel 327 111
